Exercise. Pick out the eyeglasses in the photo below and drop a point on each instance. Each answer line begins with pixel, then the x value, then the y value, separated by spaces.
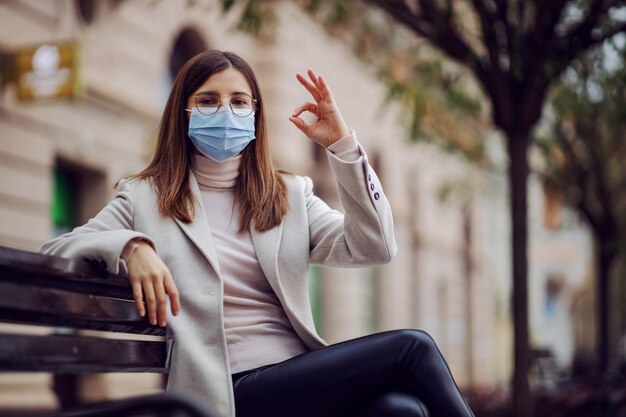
pixel 241 104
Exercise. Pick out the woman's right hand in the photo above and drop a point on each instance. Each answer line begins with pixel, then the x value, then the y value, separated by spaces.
pixel 150 277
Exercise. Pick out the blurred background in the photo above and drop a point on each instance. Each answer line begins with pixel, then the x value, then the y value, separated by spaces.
pixel 84 84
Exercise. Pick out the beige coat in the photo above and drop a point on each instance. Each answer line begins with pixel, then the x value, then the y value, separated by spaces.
pixel 310 233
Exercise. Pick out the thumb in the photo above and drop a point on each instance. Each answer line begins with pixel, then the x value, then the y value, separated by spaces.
pixel 300 124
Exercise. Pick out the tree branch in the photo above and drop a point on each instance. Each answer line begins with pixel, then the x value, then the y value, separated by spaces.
pixel 445 38
pixel 584 35
pixel 502 9
pixel 487 24
pixel 597 8
pixel 449 12
pixel 575 168
pixel 608 34
pixel 566 49
pixel 548 14
pixel 597 164
pixel 401 12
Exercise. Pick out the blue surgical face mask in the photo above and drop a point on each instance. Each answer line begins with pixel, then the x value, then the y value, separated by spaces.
pixel 221 135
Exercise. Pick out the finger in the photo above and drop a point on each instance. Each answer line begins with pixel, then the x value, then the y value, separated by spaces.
pixel 309 86
pixel 148 291
pixel 325 89
pixel 138 296
pixel 316 82
pixel 310 107
pixel 300 124
pixel 161 298
pixel 172 291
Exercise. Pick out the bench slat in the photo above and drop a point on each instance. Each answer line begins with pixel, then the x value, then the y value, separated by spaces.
pixel 79 354
pixel 41 264
pixel 56 272
pixel 21 303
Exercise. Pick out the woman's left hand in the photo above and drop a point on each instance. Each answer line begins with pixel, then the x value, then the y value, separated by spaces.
pixel 330 126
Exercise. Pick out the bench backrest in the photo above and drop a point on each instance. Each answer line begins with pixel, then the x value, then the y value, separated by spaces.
pixel 66 294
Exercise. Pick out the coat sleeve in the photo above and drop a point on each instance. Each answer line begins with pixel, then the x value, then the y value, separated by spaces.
pixel 364 235
pixel 102 238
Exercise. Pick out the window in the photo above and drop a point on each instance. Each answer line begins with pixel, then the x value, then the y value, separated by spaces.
pixel 87 10
pixel 78 194
pixel 187 45
pixel 64 202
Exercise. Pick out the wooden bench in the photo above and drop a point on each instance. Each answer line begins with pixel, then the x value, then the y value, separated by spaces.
pixel 72 295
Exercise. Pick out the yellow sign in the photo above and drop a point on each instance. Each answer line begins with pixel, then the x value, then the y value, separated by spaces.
pixel 47 71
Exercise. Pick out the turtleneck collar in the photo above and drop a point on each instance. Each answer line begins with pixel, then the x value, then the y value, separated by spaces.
pixel 213 175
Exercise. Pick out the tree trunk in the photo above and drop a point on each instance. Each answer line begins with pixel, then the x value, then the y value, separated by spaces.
pixel 603 300
pixel 518 179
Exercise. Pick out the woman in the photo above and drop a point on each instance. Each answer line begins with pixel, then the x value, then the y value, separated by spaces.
pixel 212 228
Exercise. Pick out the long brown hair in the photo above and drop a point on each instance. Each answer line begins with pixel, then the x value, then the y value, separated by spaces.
pixel 260 191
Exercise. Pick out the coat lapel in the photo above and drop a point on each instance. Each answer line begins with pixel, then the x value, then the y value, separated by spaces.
pixel 199 230
pixel 266 244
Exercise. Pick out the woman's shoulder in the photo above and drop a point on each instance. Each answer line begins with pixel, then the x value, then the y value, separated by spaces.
pixel 294 180
pixel 297 183
pixel 134 186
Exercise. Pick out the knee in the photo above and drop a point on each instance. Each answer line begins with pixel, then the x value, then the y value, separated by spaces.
pixel 396 404
pixel 415 338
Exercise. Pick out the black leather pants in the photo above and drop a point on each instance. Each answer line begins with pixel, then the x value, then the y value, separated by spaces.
pixel 396 373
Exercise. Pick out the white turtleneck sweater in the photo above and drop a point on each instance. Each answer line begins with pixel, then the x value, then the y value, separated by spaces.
pixel 257 329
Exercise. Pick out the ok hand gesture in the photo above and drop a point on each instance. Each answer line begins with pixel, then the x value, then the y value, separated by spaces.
pixel 330 126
